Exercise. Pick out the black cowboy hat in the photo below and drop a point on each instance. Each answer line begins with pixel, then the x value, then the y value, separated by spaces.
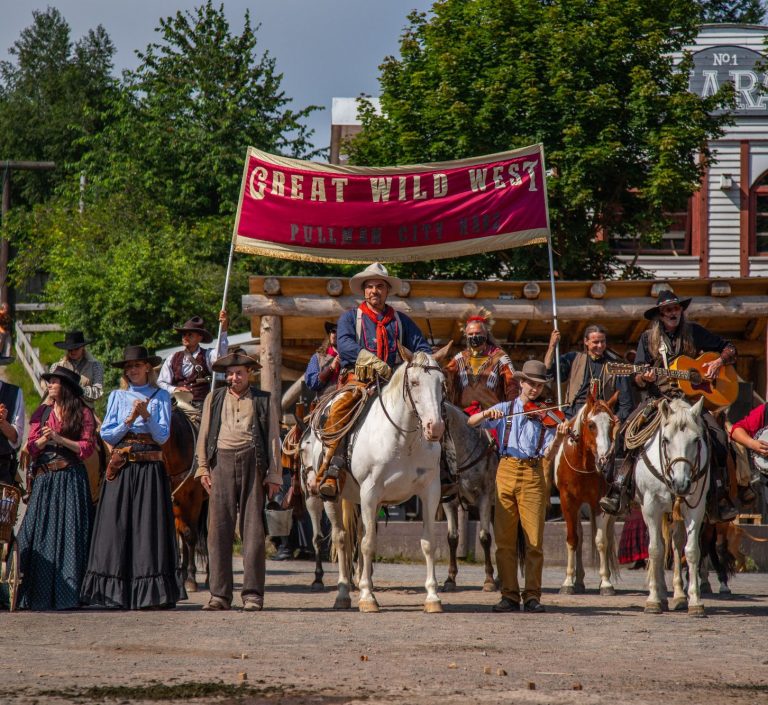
pixel 330 327
pixel 72 340
pixel 195 325
pixel 136 353
pixel 6 360
pixel 67 376
pixel 533 371
pixel 236 357
pixel 665 298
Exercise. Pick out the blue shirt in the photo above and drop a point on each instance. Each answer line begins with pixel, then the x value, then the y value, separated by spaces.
pixel 349 347
pixel 524 434
pixel 119 407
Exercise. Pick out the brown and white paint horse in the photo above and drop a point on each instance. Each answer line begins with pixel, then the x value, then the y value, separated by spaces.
pixel 579 478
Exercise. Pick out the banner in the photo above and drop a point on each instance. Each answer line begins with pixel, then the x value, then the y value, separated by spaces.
pixel 329 213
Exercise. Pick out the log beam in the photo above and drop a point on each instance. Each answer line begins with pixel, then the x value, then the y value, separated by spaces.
pixel 316 306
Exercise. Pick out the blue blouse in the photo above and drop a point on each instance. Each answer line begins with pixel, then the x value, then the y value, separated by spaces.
pixel 524 434
pixel 119 407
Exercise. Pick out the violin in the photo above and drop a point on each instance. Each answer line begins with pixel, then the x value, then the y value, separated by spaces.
pixel 550 416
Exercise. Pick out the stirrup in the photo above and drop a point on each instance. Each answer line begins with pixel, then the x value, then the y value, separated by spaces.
pixel 329 488
pixel 610 505
pixel 726 509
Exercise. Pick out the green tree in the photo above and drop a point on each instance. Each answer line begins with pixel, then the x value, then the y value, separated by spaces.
pixel 181 126
pixel 52 94
pixel 594 80
pixel 743 11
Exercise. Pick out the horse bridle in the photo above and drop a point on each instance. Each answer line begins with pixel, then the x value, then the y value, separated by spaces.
pixel 697 471
pixel 407 396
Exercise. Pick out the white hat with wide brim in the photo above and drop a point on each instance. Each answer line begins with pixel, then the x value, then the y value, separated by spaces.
pixel 373 271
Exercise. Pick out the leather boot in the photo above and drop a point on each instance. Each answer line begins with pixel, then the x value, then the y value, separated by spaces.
pixel 613 500
pixel 746 494
pixel 724 509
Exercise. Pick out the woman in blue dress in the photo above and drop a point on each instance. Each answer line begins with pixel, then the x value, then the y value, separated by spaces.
pixel 53 538
pixel 133 560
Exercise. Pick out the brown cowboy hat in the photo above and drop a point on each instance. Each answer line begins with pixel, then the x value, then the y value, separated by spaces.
pixel 195 325
pixel 136 353
pixel 533 371
pixel 236 357
pixel 665 298
pixel 67 376
pixel 73 340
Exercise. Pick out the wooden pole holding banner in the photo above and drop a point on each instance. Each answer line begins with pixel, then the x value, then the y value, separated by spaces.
pixel 224 302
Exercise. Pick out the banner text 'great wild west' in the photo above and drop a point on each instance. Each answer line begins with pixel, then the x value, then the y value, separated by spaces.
pixel 328 213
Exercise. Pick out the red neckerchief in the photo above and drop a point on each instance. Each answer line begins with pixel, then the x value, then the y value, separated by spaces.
pixel 382 339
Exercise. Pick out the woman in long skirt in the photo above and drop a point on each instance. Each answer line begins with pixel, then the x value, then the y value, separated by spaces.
pixel 133 561
pixel 53 538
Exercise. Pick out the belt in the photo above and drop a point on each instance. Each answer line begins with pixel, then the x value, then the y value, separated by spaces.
pixel 143 456
pixel 527 461
pixel 52 466
pixel 140 437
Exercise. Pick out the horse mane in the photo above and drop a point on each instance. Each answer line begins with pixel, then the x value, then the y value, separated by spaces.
pixel 420 359
pixel 680 417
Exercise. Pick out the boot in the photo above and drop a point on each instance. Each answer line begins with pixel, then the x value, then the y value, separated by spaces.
pixel 615 500
pixel 329 487
pixel 724 509
pixel 746 495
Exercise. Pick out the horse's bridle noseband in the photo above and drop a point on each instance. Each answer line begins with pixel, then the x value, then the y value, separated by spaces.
pixel 408 395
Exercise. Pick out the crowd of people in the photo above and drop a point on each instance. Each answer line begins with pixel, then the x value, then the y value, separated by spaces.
pixel 121 551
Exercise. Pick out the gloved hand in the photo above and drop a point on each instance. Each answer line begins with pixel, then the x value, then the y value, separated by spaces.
pixel 366 359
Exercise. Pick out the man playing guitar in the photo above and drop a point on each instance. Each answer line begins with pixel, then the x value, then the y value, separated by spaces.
pixel 669 336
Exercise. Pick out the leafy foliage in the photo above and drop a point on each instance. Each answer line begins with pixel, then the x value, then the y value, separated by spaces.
pixel 593 80
pixel 51 95
pixel 744 11
pixel 185 116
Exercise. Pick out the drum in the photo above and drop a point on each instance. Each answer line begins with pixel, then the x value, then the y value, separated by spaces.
pixel 760 461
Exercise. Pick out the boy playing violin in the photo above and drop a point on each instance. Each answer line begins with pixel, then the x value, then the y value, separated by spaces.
pixel 521 489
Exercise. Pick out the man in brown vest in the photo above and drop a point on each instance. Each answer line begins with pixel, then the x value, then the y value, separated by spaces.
pixel 186 375
pixel 236 462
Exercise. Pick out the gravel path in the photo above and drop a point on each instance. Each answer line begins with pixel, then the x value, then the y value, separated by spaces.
pixel 585 649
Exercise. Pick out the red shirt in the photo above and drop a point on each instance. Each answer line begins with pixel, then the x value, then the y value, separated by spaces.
pixel 752 422
pixel 87 440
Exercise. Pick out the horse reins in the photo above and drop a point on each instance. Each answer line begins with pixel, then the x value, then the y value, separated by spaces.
pixel 407 396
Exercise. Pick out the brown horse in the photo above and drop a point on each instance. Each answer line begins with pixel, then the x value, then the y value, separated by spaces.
pixel 190 500
pixel 579 478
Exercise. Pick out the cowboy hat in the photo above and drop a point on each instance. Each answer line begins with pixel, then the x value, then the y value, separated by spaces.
pixel 373 271
pixel 195 325
pixel 666 297
pixel 330 327
pixel 73 340
pixel 136 353
pixel 67 376
pixel 6 360
pixel 236 357
pixel 533 371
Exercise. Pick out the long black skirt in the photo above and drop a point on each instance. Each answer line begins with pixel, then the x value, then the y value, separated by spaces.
pixel 133 561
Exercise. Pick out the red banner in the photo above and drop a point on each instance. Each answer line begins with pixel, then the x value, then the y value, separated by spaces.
pixel 328 213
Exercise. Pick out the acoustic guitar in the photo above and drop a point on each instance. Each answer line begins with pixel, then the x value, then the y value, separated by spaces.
pixel 688 374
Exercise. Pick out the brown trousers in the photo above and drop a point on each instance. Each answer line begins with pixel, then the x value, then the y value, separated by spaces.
pixel 338 417
pixel 236 488
pixel 521 494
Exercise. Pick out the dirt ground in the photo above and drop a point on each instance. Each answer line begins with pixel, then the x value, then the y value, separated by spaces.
pixel 585 649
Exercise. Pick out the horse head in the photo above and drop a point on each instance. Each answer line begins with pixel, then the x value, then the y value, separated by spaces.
pixel 423 387
pixel 599 428
pixel 682 437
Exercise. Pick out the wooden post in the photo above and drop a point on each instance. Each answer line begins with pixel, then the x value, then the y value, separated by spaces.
pixel 271 359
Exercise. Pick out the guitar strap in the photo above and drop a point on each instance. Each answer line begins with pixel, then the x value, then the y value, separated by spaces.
pixel 663 350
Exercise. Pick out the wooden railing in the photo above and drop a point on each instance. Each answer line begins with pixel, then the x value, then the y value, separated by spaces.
pixel 28 355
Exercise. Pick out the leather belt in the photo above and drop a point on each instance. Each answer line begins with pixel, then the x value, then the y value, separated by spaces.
pixel 139 437
pixel 143 456
pixel 527 461
pixel 52 466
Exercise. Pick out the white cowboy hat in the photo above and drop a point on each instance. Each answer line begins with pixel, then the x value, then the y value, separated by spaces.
pixel 373 271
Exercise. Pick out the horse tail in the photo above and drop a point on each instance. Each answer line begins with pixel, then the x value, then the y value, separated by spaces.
pixel 201 550
pixel 611 551
pixel 349 523
pixel 666 532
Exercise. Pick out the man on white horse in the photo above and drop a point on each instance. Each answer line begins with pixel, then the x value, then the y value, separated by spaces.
pixel 367 342
pixel 669 336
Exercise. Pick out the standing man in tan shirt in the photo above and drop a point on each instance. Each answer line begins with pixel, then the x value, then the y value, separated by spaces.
pixel 236 459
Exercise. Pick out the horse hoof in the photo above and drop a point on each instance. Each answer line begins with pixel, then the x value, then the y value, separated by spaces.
pixel 317 586
pixel 449 586
pixel 653 608
pixel 609 591
pixel 368 605
pixel 679 604
pixel 190 586
pixel 580 588
pixel 567 590
pixel 696 611
pixel 433 607
pixel 342 603
pixel 705 588
pixel 725 590
pixel 490 586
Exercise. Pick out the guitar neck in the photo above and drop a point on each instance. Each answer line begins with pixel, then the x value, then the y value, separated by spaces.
pixel 621 369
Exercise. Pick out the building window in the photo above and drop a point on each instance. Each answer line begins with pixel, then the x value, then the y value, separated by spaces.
pixel 675 241
pixel 758 215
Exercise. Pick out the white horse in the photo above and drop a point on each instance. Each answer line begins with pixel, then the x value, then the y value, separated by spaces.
pixel 395 454
pixel 671 475
pixel 476 461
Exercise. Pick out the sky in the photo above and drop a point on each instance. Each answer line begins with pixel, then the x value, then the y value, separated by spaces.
pixel 323 48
